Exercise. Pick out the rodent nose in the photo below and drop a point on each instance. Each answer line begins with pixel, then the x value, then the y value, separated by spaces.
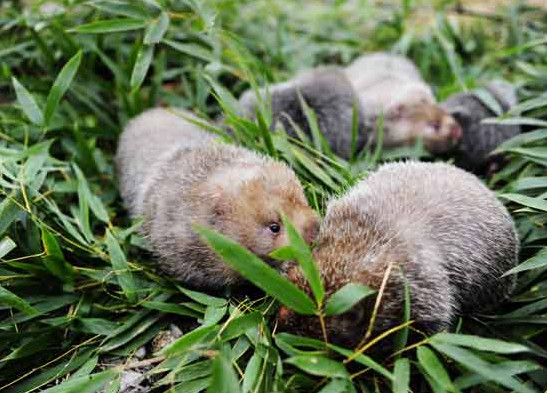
pixel 455 132
pixel 311 230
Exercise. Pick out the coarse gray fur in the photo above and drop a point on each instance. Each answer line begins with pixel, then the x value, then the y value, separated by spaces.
pixel 479 140
pixel 327 91
pixel 436 224
pixel 174 174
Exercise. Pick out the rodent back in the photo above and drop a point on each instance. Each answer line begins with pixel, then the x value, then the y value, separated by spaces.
pixel 328 93
pixel 460 215
pixel 145 144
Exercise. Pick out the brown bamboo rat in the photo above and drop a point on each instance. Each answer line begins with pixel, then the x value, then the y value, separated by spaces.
pixel 328 93
pixel 479 140
pixel 391 86
pixel 437 225
pixel 173 174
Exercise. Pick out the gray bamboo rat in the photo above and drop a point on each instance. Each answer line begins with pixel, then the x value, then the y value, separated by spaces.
pixel 326 91
pixel 479 140
pixel 172 173
pixel 391 86
pixel 437 225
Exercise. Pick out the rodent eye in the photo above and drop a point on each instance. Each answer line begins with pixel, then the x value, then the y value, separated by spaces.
pixel 274 227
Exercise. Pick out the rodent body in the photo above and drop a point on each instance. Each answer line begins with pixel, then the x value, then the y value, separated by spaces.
pixel 174 174
pixel 437 225
pixel 479 140
pixel 391 86
pixel 326 91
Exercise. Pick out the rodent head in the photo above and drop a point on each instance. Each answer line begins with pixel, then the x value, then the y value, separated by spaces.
pixel 344 245
pixel 249 200
pixel 406 123
pixel 345 329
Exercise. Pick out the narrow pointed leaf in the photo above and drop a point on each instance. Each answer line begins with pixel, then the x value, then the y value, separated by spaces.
pixel 6 246
pixel 156 31
pixel 433 366
pixel 343 299
pixel 401 376
pixel 257 271
pixel 318 365
pixel 111 26
pixel 27 103
pixel 10 299
pixel 60 86
pixel 142 64
pixel 119 264
pixel 304 258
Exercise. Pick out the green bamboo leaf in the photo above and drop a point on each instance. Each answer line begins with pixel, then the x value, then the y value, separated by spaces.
pixel 86 384
pixel 6 246
pixel 203 298
pixel 193 50
pixel 304 258
pixel 320 366
pixel 119 264
pixel 188 340
pixel 241 325
pixel 213 315
pixel 480 343
pixel 433 366
pixel 474 363
pixel 224 378
pixel 257 271
pixel 60 86
pixel 170 308
pixel 156 31
pixel 94 202
pixel 537 261
pixel 111 26
pixel 10 299
pixel 509 368
pixel 54 260
pixel 401 376
pixel 347 296
pixel 142 64
pixel 129 9
pixel 251 373
pixel 523 139
pixel 27 103
pixel 49 374
pixel 523 121
pixel 534 203
pixel 338 386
